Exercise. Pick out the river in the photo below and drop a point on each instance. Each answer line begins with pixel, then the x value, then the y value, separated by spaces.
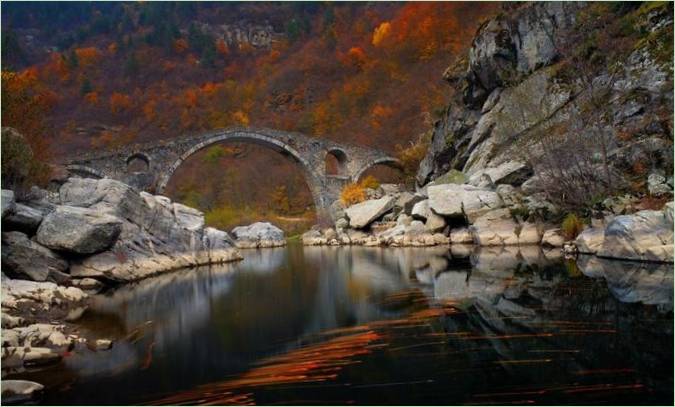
pixel 354 325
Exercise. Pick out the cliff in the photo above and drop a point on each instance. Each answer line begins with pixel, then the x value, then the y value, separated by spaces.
pixel 546 87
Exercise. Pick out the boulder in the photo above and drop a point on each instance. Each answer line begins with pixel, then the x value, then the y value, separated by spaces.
pixel 88 285
pixel 24 219
pixel 495 228
pixel 403 219
pixel 313 238
pixel 434 223
pixel 403 199
pixel 259 234
pixel 657 184
pixel 43 295
pixel 509 195
pixel 364 213
pixel 645 235
pixel 457 200
pixel 7 201
pixel 341 224
pixel 410 203
pixel 79 230
pixel 529 233
pixel 107 196
pixel 23 258
pixel 552 238
pixel 218 244
pixel 461 236
pixel 590 240
pixel 187 217
pixel 421 210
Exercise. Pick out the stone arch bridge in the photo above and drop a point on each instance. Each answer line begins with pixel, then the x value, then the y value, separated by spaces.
pixel 159 160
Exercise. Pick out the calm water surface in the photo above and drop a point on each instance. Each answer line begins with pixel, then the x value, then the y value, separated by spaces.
pixel 381 326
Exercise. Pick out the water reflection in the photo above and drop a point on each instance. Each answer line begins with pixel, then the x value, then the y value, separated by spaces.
pixel 339 325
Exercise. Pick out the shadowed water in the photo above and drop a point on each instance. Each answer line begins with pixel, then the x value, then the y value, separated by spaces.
pixel 324 325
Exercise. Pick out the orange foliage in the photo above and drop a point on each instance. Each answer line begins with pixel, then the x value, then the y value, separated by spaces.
pixel 380 114
pixel 87 56
pixel 149 110
pixel 190 98
pixel 240 118
pixel 180 45
pixel 381 33
pixel 222 47
pixel 352 194
pixel 355 57
pixel 91 98
pixel 119 102
pixel 112 48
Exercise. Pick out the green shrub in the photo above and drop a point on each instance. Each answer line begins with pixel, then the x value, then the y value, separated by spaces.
pixel 571 226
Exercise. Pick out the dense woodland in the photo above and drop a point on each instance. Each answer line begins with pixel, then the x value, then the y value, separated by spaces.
pixel 100 75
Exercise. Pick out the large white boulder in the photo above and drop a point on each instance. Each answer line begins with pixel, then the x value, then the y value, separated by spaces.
pixel 645 235
pixel 364 213
pixel 259 234
pixel 458 200
pixel 495 228
pixel 79 230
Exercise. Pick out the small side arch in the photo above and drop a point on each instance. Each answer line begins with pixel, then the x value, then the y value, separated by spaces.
pixel 138 162
pixel 336 162
pixel 388 161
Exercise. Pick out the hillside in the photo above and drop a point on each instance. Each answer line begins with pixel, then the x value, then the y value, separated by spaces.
pixel 116 73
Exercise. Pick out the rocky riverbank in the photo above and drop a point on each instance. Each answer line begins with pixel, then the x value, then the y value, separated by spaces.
pixel 58 248
pixel 487 215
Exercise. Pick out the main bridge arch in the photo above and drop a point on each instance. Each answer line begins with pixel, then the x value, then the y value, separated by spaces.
pixel 252 137
pixel 163 158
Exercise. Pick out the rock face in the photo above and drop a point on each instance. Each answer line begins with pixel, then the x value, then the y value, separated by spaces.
pixel 257 235
pixel 23 258
pixel 119 234
pixel 364 213
pixel 462 200
pixel 79 230
pixel 512 92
